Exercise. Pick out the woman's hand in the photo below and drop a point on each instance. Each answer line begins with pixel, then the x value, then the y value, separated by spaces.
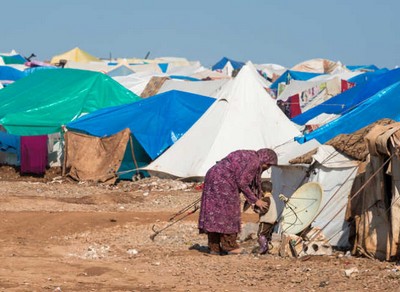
pixel 261 204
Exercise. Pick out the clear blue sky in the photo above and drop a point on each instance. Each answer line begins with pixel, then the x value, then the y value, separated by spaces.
pixel 283 32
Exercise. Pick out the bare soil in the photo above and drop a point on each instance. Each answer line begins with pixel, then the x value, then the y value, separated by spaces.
pixel 60 235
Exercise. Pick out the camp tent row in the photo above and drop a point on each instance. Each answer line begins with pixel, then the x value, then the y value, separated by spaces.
pixel 154 123
pixel 243 115
pixel 42 103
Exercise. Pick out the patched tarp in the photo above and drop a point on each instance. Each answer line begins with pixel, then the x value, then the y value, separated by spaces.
pixel 89 158
pixel 153 86
pixel 374 205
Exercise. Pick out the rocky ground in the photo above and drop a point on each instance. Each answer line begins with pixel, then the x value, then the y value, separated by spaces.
pixel 60 235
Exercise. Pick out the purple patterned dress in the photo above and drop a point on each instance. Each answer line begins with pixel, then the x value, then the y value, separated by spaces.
pixel 239 172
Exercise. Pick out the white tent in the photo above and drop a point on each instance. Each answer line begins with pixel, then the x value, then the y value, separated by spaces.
pixel 319 65
pixel 135 82
pixel 335 172
pixel 90 66
pixel 207 88
pixel 202 73
pixel 271 70
pixel 243 117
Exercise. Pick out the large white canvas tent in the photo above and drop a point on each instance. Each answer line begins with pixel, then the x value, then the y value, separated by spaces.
pixel 243 117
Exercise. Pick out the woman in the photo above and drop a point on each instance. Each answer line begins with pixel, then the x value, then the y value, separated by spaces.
pixel 219 217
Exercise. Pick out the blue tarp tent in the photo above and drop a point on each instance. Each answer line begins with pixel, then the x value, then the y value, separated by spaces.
pixel 351 98
pixel 362 67
pixel 367 76
pixel 31 70
pixel 156 122
pixel 221 64
pixel 10 73
pixel 384 104
pixel 295 75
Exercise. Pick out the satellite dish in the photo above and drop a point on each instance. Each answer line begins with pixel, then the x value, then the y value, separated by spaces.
pixel 301 208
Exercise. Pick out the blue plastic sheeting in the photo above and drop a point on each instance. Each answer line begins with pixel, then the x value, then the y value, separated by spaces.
pixel 221 64
pixel 362 67
pixel 31 70
pixel 10 73
pixel 181 77
pixel 10 143
pixel 351 98
pixel 384 104
pixel 156 122
pixel 367 76
pixel 295 75
pixel 163 67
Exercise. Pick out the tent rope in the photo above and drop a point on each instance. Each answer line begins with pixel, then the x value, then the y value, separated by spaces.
pixel 133 154
pixel 352 197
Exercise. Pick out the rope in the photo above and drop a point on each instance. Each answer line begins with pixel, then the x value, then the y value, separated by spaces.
pixel 133 154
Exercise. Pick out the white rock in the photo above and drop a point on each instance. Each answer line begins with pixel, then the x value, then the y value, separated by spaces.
pixel 132 251
pixel 350 271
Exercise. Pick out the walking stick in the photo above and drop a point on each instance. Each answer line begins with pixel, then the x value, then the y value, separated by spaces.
pixel 156 232
pixel 193 204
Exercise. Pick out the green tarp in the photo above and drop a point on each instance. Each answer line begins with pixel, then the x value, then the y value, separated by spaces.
pixel 42 102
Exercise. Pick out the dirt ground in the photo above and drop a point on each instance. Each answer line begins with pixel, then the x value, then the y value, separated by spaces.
pixel 60 235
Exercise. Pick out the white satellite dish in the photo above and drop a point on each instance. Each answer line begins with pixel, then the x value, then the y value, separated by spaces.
pixel 301 208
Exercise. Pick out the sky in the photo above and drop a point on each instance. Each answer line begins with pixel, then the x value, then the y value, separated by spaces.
pixel 284 32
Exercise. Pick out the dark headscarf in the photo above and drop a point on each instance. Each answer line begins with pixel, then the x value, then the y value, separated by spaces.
pixel 267 156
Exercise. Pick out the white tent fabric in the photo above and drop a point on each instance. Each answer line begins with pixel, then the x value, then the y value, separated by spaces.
pixel 133 82
pixel 20 67
pixel 137 82
pixel 243 117
pixel 345 75
pixel 188 70
pixel 202 73
pixel 208 88
pixel 227 70
pixel 298 86
pixel 322 119
pixel 271 70
pixel 320 66
pixel 335 172
pixel 293 149
pixel 90 66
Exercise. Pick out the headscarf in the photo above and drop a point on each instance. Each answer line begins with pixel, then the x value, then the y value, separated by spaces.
pixel 267 156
